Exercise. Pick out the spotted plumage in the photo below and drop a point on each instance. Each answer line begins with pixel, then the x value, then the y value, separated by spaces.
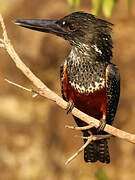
pixel 88 79
pixel 84 75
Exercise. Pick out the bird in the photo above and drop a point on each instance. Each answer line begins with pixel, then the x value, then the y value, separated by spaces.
pixel 89 80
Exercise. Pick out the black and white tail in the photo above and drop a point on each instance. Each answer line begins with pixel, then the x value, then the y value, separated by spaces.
pixel 97 151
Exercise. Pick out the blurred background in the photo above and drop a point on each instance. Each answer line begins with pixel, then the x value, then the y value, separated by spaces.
pixel 34 144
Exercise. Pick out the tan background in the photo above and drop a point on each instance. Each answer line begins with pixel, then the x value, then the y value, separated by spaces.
pixel 34 144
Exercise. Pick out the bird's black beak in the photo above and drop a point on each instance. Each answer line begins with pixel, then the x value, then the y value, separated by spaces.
pixel 43 25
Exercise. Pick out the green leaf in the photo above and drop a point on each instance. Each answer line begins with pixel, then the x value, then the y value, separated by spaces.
pixel 101 175
pixel 96 5
pixel 77 3
pixel 108 7
pixel 70 2
pixel 129 4
pixel 73 4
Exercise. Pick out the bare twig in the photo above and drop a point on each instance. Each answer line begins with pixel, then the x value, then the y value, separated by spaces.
pixel 80 128
pixel 24 88
pixel 106 136
pixel 80 150
pixel 43 90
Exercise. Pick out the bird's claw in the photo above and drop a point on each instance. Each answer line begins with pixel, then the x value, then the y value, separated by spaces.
pixel 70 106
pixel 102 125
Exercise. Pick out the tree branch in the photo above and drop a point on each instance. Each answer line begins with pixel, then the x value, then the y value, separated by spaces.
pixel 46 92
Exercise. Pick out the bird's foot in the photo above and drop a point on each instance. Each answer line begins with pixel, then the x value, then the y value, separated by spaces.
pixel 70 106
pixel 102 125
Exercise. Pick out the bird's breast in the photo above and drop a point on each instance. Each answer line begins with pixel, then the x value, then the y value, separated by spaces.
pixel 87 96
pixel 93 104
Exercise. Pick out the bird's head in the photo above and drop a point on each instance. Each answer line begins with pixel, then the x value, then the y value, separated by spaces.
pixel 79 28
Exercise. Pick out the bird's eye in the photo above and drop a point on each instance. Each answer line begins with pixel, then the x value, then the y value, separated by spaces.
pixel 68 26
pixel 71 27
pixel 64 23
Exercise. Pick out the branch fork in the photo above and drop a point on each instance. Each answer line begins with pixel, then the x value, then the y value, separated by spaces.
pixel 89 139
